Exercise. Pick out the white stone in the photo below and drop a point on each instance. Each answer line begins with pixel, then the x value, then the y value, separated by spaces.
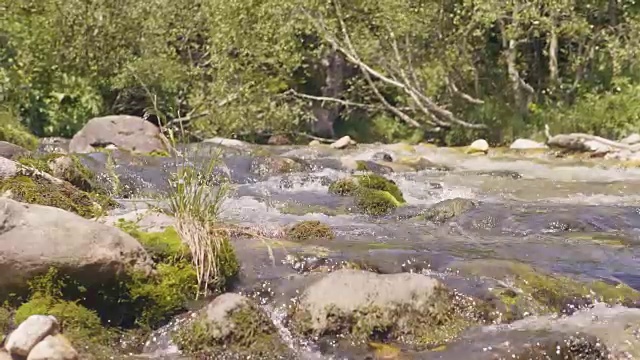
pixel 53 347
pixel 631 139
pixel 343 142
pixel 478 146
pixel 30 333
pixel 525 144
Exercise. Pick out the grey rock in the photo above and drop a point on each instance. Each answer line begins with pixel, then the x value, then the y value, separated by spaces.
pixel 11 151
pixel 526 144
pixel 34 238
pixel 343 142
pixel 382 156
pixel 129 133
pixel 631 139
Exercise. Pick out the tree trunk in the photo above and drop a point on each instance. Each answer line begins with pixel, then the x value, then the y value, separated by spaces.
pixel 327 113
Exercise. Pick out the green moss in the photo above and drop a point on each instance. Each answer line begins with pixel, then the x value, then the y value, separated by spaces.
pixel 79 324
pixel 310 230
pixel 64 196
pixel 65 167
pixel 12 131
pixel 164 246
pixel 378 182
pixel 252 336
pixel 537 292
pixel 442 319
pixel 158 153
pixel 165 295
pixel 343 187
pixel 5 322
pixel 374 194
pixel 375 202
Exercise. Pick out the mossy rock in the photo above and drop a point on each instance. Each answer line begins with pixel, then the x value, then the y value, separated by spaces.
pixel 363 306
pixel 343 187
pixel 374 194
pixel 377 182
pixel 536 292
pixel 372 166
pixel 64 167
pixel 231 327
pixel 446 210
pixel 375 202
pixel 36 190
pixel 310 230
pixel 12 131
pixel 80 325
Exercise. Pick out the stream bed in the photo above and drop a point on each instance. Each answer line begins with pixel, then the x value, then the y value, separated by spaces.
pixel 573 218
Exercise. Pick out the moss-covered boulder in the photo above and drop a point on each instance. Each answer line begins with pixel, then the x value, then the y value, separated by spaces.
pixel 310 230
pixel 64 167
pixel 374 194
pixel 364 306
pixel 446 210
pixel 231 327
pixel 275 165
pixel 62 195
pixel 372 166
pixel 532 291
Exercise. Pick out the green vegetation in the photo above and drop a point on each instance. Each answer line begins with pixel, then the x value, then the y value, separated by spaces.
pixel 36 190
pixel 374 194
pixel 536 292
pixel 65 167
pixel 13 131
pixel 249 334
pixel 397 70
pixel 310 230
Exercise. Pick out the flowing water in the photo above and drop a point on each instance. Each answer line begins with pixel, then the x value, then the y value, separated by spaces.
pixel 578 218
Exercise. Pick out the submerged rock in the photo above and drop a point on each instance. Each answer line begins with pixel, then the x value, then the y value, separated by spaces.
pixel 448 209
pixel 232 327
pixel 524 290
pixel 362 306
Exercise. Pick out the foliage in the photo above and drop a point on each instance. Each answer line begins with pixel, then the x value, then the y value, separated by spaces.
pixel 249 68
pixel 12 131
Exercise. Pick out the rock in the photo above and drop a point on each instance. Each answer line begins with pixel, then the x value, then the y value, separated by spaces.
pixel 448 209
pixel 526 144
pixel 8 168
pixel 275 165
pixel 233 143
pixel 597 147
pixel 382 156
pixel 478 146
pixel 30 333
pixel 315 143
pixel 128 133
pixel 599 333
pixel 343 143
pixel 232 326
pixel 631 139
pixel 11 151
pixel 372 166
pixel 359 303
pixel 5 356
pixel 53 145
pixel 53 347
pixel 279 140
pixel 35 238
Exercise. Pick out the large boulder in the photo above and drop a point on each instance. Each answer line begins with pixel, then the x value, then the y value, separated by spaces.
pixel 11 151
pixel 125 132
pixel 360 304
pixel 34 238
